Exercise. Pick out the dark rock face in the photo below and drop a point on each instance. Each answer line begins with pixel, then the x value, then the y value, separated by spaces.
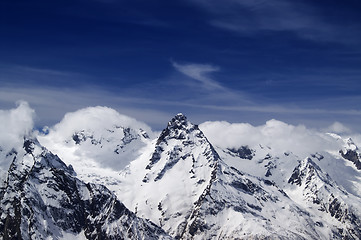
pixel 43 198
pixel 79 137
pixel 243 152
pixel 352 156
pixel 247 187
pixel 269 166
pixel 296 177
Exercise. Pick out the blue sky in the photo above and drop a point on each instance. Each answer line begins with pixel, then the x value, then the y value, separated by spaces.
pixel 235 60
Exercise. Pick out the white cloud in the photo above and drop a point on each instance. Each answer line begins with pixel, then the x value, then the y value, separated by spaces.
pixel 199 72
pixel 103 125
pixel 15 124
pixel 338 127
pixel 51 104
pixel 277 135
pixel 96 119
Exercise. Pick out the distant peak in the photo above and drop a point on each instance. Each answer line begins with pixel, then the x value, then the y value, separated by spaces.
pixel 180 115
pixel 178 121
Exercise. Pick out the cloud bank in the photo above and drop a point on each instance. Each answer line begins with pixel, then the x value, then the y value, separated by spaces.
pixel 102 131
pixel 279 136
pixel 15 124
pixel 338 127
pixel 96 119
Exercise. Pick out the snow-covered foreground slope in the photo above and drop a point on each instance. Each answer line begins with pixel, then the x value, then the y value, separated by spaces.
pixel 217 180
pixel 42 199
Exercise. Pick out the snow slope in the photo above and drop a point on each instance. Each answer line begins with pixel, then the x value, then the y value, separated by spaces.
pixel 219 180
pixel 191 191
pixel 323 183
pixel 42 199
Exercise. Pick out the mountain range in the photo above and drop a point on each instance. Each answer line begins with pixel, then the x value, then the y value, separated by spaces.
pixel 101 175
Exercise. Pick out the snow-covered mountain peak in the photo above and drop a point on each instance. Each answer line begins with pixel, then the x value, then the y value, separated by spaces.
pixel 178 127
pixel 172 176
pixel 308 171
pixel 178 141
pixel 42 199
pixel 178 121
pixel 98 142
pixel 274 181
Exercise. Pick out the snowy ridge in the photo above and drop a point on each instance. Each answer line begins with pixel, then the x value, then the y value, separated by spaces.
pixel 324 195
pixel 43 200
pixel 239 205
pixel 173 177
pixel 192 192
pixel 331 207
pixel 213 181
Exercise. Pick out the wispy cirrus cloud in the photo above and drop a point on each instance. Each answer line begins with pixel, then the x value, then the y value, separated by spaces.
pixel 11 75
pixel 254 16
pixel 203 99
pixel 199 72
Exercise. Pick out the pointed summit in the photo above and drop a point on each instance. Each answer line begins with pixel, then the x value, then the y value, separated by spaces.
pixel 178 128
pixel 181 168
pixel 178 134
pixel 178 121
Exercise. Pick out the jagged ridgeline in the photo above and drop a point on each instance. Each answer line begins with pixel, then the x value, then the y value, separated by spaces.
pixel 42 199
pixel 187 182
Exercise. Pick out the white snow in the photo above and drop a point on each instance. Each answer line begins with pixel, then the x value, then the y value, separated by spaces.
pixel 69 235
pixel 106 147
pixel 109 142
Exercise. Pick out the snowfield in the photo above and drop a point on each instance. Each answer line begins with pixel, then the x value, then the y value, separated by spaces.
pixel 98 174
